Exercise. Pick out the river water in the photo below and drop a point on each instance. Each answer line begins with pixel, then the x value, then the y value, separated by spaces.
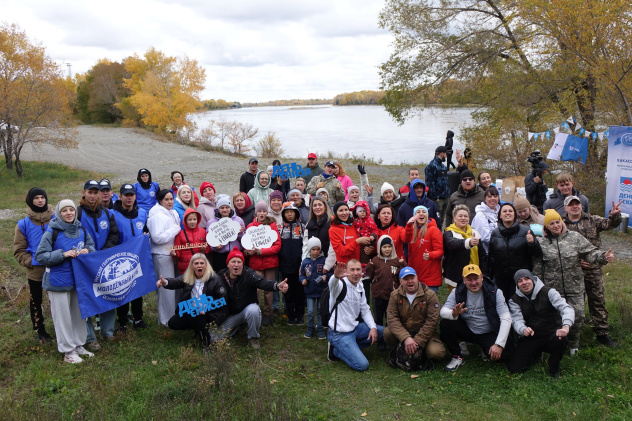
pixel 358 130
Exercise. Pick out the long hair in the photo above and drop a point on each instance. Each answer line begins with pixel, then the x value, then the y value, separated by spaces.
pixel 419 231
pixel 191 203
pixel 341 171
pixel 189 275
pixel 312 215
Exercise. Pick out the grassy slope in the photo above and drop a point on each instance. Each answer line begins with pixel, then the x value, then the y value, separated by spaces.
pixel 158 373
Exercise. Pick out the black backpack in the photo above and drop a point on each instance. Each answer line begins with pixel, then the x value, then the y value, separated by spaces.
pixel 323 306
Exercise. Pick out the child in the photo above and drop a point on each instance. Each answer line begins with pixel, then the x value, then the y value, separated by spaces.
pixel 191 234
pixel 312 276
pixel 365 227
pixel 384 270
pixel 71 241
pixel 291 233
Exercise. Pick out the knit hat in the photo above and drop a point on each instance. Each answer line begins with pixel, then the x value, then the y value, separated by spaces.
pixel 313 242
pixel 420 207
pixel 550 215
pixel 64 204
pixel 223 200
pixel 321 191
pixel 521 202
pixel 294 191
pixel 466 174
pixel 385 239
pixel 523 273
pixel 352 188
pixel 338 204
pixel 270 168
pixel 206 184
pixel 276 194
pixel 261 205
pixel 386 187
pixel 36 191
pixel 235 253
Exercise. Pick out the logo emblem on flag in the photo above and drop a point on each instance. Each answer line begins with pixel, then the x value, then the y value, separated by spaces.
pixel 626 185
pixel 117 276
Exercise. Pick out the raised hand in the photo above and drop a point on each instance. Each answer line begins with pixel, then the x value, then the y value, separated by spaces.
pixel 530 238
pixel 339 270
pixel 610 255
pixel 459 309
pixel 616 208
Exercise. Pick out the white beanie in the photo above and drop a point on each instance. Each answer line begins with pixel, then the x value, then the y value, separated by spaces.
pixel 386 187
pixel 313 242
pixel 352 188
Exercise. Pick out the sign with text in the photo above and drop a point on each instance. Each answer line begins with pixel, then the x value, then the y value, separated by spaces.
pixel 292 170
pixel 619 173
pixel 222 232
pixel 199 305
pixel 259 237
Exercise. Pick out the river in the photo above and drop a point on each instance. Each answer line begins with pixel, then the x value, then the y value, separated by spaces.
pixel 357 130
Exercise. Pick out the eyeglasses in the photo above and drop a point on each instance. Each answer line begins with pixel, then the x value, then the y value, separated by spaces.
pixel 468 179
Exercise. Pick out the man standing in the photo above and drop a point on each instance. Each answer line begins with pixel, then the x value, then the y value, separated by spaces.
pixel 413 317
pixel 101 225
pixel 130 220
pixel 437 181
pixel 108 197
pixel 468 194
pixel 417 198
pixel 328 181
pixel 247 180
pixel 413 174
pixel 590 226
pixel 243 283
pixel 535 187
pixel 565 187
pixel 475 312
pixel 542 318
pixel 346 335
pixel 314 168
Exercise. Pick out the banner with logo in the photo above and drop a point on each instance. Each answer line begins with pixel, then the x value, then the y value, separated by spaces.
pixel 619 173
pixel 110 278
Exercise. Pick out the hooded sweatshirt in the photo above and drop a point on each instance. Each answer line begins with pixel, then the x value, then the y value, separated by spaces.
pixel 313 271
pixel 258 192
pixel 146 192
pixel 384 270
pixel 189 236
pixel 406 210
pixel 485 221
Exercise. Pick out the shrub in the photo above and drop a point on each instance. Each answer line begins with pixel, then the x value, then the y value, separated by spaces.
pixel 269 146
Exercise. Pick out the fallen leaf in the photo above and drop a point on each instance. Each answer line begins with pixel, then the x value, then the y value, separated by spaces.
pixel 273 381
pixel 154 362
pixel 414 376
pixel 409 404
pixel 610 396
pixel 364 414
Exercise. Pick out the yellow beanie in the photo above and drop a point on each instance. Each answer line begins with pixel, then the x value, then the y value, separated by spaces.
pixel 549 216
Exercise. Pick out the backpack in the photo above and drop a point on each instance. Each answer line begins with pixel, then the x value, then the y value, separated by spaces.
pixel 418 361
pixel 323 306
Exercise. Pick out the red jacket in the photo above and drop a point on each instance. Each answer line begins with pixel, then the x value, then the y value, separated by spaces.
pixel 343 240
pixel 195 236
pixel 269 257
pixel 398 235
pixel 428 271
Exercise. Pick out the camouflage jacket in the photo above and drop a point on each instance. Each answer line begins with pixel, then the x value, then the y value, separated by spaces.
pixel 559 266
pixel 589 226
pixel 331 184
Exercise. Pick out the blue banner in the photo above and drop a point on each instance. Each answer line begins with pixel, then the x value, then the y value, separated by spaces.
pixel 619 175
pixel 110 278
pixel 575 149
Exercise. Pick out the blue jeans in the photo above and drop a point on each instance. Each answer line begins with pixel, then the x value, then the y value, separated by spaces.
pixel 347 346
pixel 107 325
pixel 435 289
pixel 312 310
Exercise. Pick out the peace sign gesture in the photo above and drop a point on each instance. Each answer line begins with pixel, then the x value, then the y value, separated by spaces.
pixel 616 208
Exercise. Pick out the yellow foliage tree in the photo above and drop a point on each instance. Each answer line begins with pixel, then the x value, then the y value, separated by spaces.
pixel 164 89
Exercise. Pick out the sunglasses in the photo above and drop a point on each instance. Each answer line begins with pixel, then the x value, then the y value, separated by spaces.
pixel 468 179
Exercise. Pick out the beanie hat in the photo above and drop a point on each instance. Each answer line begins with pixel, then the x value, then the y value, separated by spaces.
pixel 235 253
pixel 223 200
pixel 205 185
pixel 313 242
pixel 276 194
pixel 550 215
pixel 385 239
pixel 294 191
pixel 352 188
pixel 523 273
pixel 64 204
pixel 521 202
pixel 261 205
pixel 338 204
pixel 420 207
pixel 386 187
pixel 321 191
pixel 36 191
pixel 466 174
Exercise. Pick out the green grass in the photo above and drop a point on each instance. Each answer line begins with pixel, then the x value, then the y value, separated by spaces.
pixel 161 374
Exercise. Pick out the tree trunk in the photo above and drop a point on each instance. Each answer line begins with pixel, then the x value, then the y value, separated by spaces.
pixel 18 162
pixel 8 147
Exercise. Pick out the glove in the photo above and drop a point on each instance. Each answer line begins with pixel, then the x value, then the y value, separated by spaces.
pixel 450 134
pixel 361 169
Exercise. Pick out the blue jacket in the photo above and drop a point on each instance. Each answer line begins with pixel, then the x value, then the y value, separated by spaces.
pixel 406 210
pixel 313 271
pixel 437 179
pixel 130 223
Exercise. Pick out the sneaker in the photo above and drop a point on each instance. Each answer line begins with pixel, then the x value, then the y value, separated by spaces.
pixel 464 351
pixel 299 321
pixel 254 343
pixel 82 351
pixel 93 346
pixel 140 324
pixel 120 329
pixel 574 351
pixel 455 363
pixel 309 334
pixel 291 321
pixel 330 353
pixel 44 338
pixel 322 334
pixel 72 358
pixel 265 321
pixel 606 340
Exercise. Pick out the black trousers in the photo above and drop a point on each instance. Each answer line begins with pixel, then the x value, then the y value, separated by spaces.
pixel 137 311
pixel 379 311
pixel 35 305
pixel 197 323
pixel 294 297
pixel 530 347
pixel 454 330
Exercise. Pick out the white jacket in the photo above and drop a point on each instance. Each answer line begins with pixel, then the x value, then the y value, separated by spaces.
pixel 485 221
pixel 163 226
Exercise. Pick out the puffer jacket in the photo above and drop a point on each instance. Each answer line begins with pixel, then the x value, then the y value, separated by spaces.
pixel 385 272
pixel 207 210
pixel 343 240
pixel 185 238
pixel 559 265
pixel 163 226
pixel 215 287
pixel 428 271
pixel 422 315
pixel 456 252
pixel 269 257
pixel 485 221
pixel 470 199
pixel 313 271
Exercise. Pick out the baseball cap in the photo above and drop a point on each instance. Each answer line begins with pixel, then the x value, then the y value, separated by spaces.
pixel 407 271
pixel 569 199
pixel 91 184
pixel 253 159
pixel 127 189
pixel 312 155
pixel 105 184
pixel 330 164
pixel 470 269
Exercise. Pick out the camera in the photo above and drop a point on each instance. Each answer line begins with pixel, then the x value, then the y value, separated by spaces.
pixel 534 159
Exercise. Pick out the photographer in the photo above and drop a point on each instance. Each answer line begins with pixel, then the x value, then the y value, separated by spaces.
pixel 534 181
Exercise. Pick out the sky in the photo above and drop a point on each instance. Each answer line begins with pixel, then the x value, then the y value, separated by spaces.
pixel 252 50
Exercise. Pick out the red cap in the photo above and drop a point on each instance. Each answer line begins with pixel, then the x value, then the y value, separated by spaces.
pixel 205 185
pixel 312 155
pixel 235 253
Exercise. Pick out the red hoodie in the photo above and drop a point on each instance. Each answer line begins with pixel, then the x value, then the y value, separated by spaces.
pixel 343 240
pixel 189 236
pixel 428 271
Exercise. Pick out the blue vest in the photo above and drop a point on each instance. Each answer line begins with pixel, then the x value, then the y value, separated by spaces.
pixel 98 232
pixel 146 198
pixel 33 234
pixel 61 275
pixel 129 228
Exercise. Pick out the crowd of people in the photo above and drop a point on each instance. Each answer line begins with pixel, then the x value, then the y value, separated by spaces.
pixel 355 269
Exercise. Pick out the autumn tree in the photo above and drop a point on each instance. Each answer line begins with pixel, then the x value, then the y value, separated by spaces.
pixel 269 146
pixel 100 91
pixel 164 89
pixel 239 136
pixel 34 98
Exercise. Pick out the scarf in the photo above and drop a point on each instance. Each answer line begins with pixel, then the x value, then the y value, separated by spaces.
pixel 466 234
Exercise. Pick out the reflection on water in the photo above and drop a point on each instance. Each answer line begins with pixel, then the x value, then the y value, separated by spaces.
pixel 356 130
